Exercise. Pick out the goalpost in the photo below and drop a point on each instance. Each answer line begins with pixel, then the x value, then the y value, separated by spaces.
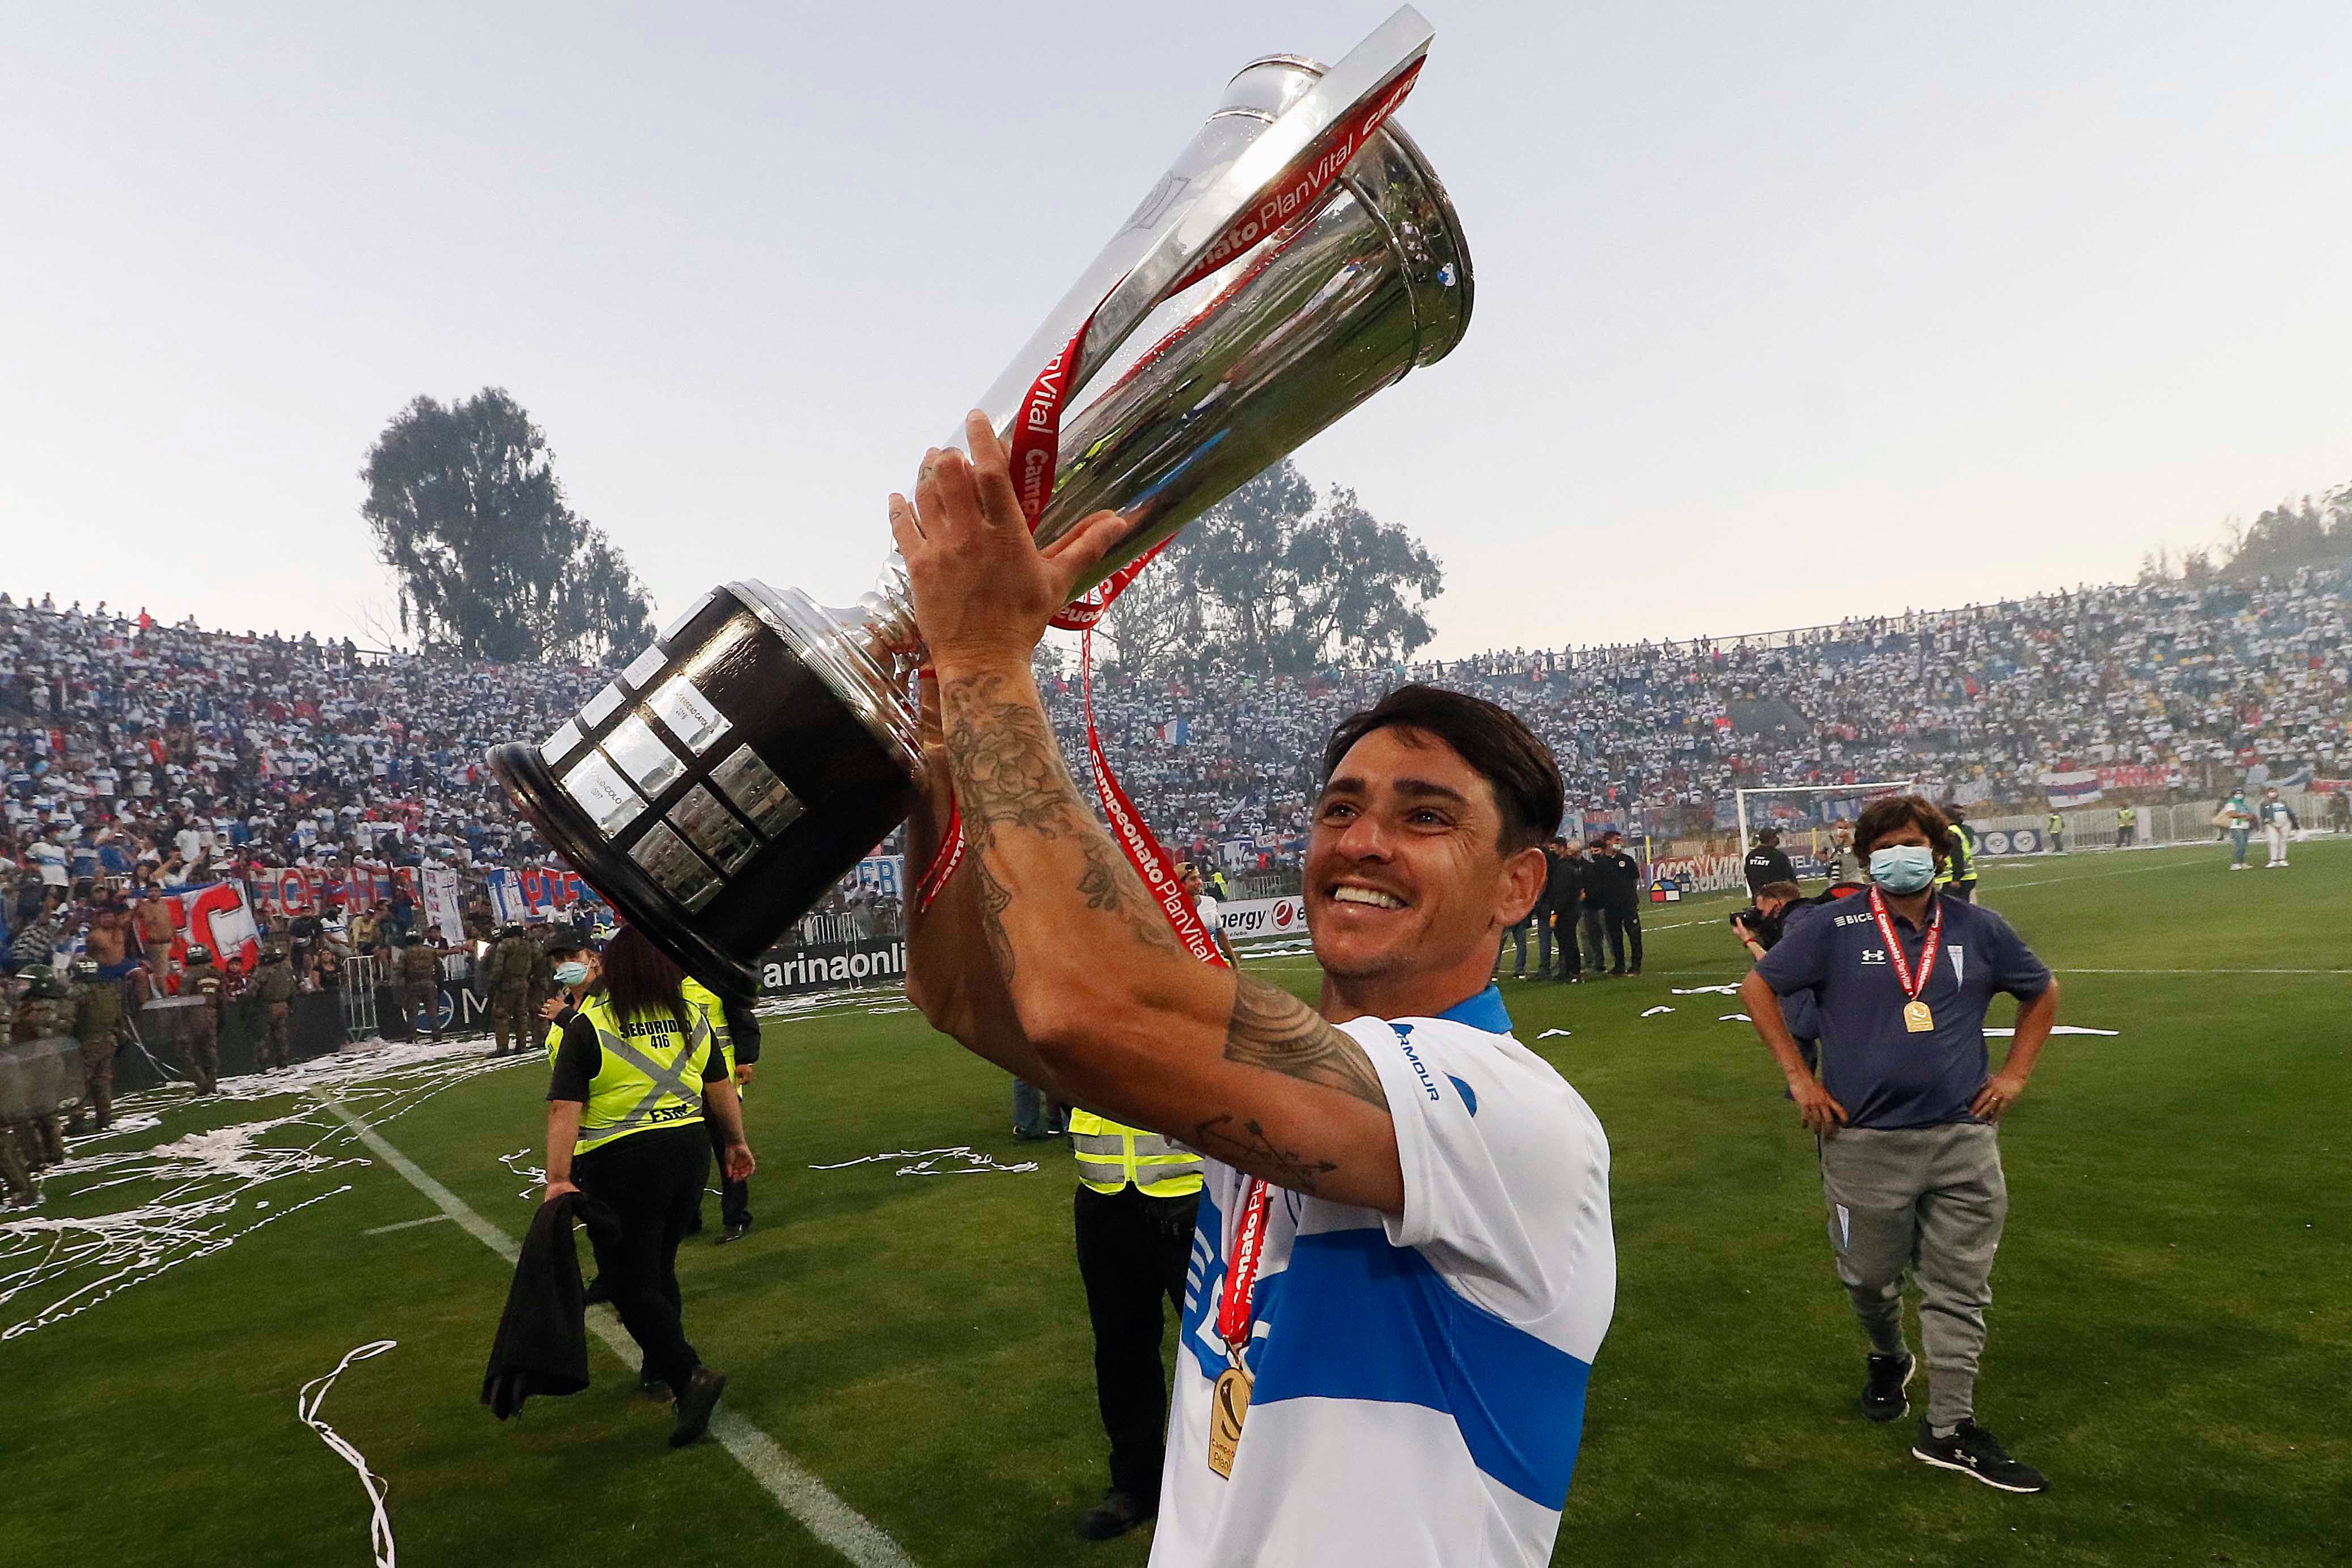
pixel 1875 786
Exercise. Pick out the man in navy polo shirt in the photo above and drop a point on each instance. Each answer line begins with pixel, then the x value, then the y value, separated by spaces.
pixel 1905 1110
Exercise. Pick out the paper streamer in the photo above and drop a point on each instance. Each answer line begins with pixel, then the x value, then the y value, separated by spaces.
pixel 306 1406
pixel 1653 1012
pixel 934 1163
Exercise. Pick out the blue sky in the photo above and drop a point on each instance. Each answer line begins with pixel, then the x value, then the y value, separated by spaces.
pixel 1784 313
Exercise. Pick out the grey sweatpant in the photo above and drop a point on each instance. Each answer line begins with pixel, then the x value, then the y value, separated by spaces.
pixel 1932 1199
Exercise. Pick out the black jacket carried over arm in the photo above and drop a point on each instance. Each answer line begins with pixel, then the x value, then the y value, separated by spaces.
pixel 542 1342
pixel 742 1029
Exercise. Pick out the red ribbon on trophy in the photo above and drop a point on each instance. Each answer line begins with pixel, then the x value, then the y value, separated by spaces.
pixel 1301 189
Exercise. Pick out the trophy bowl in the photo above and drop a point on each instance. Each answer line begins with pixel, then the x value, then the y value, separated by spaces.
pixel 1299 255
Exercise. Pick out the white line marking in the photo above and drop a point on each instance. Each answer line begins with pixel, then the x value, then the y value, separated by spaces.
pixel 805 1497
pixel 405 1224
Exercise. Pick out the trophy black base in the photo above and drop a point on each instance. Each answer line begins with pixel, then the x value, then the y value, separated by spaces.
pixel 716 790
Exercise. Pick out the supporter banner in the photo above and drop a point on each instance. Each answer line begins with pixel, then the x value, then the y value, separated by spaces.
pixel 2079 787
pixel 1247 920
pixel 794 969
pixel 2137 777
pixel 443 906
pixel 2331 786
pixel 220 919
pixel 535 893
pixel 885 874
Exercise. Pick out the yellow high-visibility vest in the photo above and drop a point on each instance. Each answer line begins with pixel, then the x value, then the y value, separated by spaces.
pixel 650 1076
pixel 1111 1157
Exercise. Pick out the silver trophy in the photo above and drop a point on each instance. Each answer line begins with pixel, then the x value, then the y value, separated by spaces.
pixel 1297 257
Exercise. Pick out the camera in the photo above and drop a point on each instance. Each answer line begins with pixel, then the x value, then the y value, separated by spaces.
pixel 1764 927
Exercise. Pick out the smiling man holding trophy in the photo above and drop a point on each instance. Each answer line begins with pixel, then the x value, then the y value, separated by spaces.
pixel 1404 1264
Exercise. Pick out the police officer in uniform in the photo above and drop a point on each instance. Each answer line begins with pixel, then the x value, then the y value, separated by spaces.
pixel 638 1071
pixel 275 986
pixel 210 987
pixel 98 1021
pixel 1137 1197
pixel 44 1023
pixel 420 985
pixel 509 970
pixel 16 1176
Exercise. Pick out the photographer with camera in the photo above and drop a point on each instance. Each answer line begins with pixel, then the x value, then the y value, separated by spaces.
pixel 1758 928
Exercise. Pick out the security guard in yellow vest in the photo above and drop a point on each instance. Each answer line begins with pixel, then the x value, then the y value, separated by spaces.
pixel 737 1028
pixel 1957 875
pixel 2127 827
pixel 638 1068
pixel 1135 1205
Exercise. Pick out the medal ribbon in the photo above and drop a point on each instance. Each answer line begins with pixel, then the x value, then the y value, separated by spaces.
pixel 1301 188
pixel 1235 1305
pixel 1895 948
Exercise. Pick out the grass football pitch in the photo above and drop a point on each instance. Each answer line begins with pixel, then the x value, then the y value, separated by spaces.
pixel 2170 1336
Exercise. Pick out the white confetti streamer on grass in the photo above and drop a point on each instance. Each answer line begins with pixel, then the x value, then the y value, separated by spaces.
pixel 181 1199
pixel 1653 1012
pixel 937 1163
pixel 1706 991
pixel 307 1406
pixel 1548 1034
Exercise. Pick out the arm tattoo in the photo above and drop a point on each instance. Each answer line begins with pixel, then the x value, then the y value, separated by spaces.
pixel 1008 771
pixel 1009 774
pixel 1244 1146
pixel 1271 1029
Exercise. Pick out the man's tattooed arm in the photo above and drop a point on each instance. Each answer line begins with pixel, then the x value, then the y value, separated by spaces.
pixel 1271 1029
pixel 1242 1143
pixel 1009 777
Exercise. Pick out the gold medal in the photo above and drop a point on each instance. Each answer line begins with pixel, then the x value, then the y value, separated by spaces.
pixel 1916 1018
pixel 1228 1404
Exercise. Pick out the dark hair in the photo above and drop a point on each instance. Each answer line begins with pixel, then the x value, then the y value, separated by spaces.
pixel 1887 815
pixel 641 979
pixel 1497 746
pixel 1769 837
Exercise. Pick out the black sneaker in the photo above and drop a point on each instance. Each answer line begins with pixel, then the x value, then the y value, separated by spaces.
pixel 651 1385
pixel 694 1407
pixel 1883 1398
pixel 1118 1513
pixel 1972 1450
pixel 735 1232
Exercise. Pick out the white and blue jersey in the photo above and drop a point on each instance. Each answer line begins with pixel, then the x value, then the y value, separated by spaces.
pixel 1418 1388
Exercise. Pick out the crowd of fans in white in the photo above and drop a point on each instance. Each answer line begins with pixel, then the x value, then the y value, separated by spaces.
pixel 1976 704
pixel 168 755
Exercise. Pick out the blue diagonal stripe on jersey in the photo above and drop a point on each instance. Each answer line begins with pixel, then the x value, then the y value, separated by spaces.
pixel 1354 1318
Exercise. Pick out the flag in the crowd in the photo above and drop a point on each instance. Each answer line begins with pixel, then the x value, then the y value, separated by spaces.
pixel 1176 731
pixel 2299 779
pixel 2079 787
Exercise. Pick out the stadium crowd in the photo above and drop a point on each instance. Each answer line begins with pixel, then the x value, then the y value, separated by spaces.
pixel 168 755
pixel 1975 704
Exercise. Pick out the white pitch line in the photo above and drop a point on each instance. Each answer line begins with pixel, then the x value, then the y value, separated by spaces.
pixel 805 1497
pixel 405 1224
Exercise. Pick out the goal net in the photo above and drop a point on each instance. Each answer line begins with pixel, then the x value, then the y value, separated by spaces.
pixel 1805 813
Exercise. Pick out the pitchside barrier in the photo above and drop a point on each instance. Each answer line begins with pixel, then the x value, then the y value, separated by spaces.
pixel 2097 826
